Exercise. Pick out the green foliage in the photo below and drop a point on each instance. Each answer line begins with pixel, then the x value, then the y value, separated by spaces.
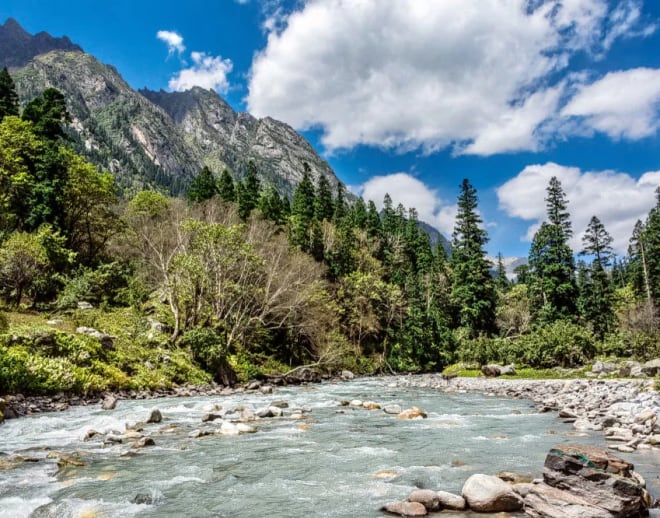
pixel 248 192
pixel 23 259
pixel 207 347
pixel 106 284
pixel 47 112
pixel 203 187
pixel 4 323
pixel 8 95
pixel 627 344
pixel 226 187
pixel 473 290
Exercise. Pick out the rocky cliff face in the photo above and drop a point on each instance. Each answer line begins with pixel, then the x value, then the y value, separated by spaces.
pixel 116 127
pixel 17 47
pixel 223 138
pixel 154 138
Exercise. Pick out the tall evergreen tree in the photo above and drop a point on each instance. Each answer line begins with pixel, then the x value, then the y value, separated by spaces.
pixel 272 207
pixel 553 289
pixel 48 113
pixel 373 220
pixel 302 213
pixel 501 280
pixel 8 95
pixel 652 237
pixel 359 214
pixel 341 207
pixel 324 207
pixel 203 187
pixel 596 292
pixel 473 291
pixel 226 187
pixel 248 192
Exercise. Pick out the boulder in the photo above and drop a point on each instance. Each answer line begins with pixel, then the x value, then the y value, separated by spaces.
pixel 487 494
pixel 143 499
pixel 515 478
pixel 371 405
pixel 109 403
pixel 429 499
pixel 600 367
pixel 347 375
pixel 210 417
pixel 405 508
pixel 105 339
pixel 412 413
pixel 144 442
pixel 450 501
pixel 585 481
pixel 155 416
pixel 652 367
pixel 508 370
pixel 84 305
pixel 491 371
pixel 392 409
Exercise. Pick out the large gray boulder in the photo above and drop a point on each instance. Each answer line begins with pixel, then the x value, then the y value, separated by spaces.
pixel 405 508
pixel 426 497
pixel 451 501
pixel 487 494
pixel 491 371
pixel 652 367
pixel 584 481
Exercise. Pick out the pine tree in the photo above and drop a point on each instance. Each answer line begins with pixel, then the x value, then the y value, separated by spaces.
pixel 373 222
pixel 248 192
pixel 596 292
pixel 653 243
pixel 324 207
pixel 271 207
pixel 302 213
pixel 203 187
pixel 8 95
pixel 473 291
pixel 48 113
pixel 638 267
pixel 553 289
pixel 341 208
pixel 358 214
pixel 226 188
pixel 501 280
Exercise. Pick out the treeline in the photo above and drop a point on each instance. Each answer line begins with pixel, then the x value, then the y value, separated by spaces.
pixel 246 281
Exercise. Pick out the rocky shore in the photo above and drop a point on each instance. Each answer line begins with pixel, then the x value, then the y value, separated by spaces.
pixel 627 411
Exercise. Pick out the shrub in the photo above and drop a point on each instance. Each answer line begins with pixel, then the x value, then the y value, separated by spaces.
pixel 560 343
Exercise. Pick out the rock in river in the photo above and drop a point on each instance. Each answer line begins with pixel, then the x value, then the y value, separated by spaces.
pixel 487 494
pixel 405 508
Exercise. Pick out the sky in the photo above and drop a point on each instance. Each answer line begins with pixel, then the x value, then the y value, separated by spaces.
pixel 408 97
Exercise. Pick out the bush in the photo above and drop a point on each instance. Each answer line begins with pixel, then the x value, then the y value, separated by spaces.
pixel 625 343
pixel 560 343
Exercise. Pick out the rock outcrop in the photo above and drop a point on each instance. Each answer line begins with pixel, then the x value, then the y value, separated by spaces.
pixel 586 482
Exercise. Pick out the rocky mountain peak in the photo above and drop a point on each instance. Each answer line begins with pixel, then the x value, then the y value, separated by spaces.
pixel 18 47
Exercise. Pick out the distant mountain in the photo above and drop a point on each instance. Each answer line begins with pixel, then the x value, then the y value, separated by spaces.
pixel 154 138
pixel 17 47
pixel 436 236
pixel 510 264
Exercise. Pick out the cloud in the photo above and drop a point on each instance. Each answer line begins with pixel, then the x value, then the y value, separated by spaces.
pixel 622 104
pixel 616 198
pixel 478 76
pixel 173 40
pixel 411 192
pixel 208 72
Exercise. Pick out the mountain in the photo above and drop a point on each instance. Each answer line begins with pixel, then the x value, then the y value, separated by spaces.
pixel 155 138
pixel 435 236
pixel 224 138
pixel 18 47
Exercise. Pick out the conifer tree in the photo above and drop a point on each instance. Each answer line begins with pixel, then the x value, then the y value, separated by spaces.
pixel 248 192
pixel 359 214
pixel 324 207
pixel 226 187
pixel 473 290
pixel 8 95
pixel 373 222
pixel 341 208
pixel 501 280
pixel 553 289
pixel 48 113
pixel 272 207
pixel 596 292
pixel 302 213
pixel 203 187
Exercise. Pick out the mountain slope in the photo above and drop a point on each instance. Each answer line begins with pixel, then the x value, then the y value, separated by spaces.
pixel 224 138
pixel 18 47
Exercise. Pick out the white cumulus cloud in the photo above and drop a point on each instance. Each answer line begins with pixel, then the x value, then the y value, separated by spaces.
pixel 411 193
pixel 208 72
pixel 479 76
pixel 173 40
pixel 616 198
pixel 623 104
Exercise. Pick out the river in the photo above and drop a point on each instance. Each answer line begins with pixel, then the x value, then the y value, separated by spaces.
pixel 336 462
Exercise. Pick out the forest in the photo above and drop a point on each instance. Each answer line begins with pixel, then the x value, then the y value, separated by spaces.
pixel 236 281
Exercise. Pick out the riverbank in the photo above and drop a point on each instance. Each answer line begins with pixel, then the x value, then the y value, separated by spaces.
pixel 626 411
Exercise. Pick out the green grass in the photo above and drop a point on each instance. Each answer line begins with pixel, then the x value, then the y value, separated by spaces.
pixel 471 371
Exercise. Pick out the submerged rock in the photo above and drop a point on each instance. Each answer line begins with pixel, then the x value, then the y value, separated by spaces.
pixel 412 413
pixel 155 416
pixel 405 508
pixel 487 494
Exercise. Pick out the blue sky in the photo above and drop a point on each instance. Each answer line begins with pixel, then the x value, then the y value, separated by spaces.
pixel 411 96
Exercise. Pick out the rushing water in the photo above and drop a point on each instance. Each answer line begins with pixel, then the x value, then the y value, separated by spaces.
pixel 337 462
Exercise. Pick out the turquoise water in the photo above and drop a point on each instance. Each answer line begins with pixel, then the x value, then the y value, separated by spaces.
pixel 337 462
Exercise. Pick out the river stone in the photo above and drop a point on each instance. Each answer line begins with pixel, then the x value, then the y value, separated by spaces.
pixel 487 494
pixel 451 501
pixel 143 443
pixel 109 403
pixel 143 499
pixel 426 497
pixel 412 413
pixel 356 403
pixel 652 367
pixel 522 488
pixel 347 375
pixel 371 405
pixel 155 416
pixel 280 404
pixel 594 477
pixel 491 371
pixel 210 417
pixel 515 478
pixel 405 508
pixel 392 409
pixel 508 370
